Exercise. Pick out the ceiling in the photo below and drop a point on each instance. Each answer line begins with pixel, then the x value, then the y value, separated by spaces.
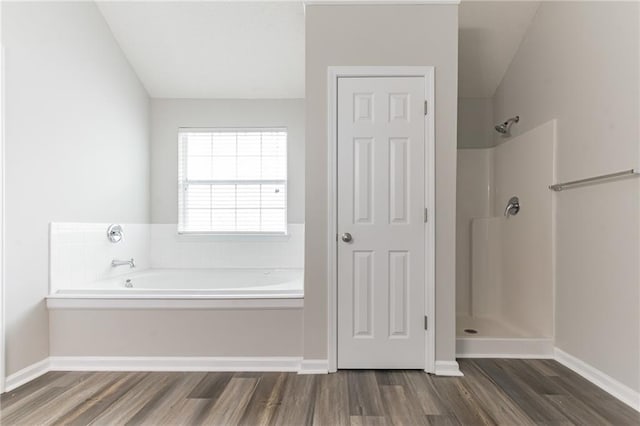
pixel 219 49
pixel 212 49
pixel 490 34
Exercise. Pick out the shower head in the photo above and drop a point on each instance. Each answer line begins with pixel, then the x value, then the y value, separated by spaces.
pixel 501 128
pixel 504 128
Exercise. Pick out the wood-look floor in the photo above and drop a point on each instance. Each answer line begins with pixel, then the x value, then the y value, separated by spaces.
pixel 506 392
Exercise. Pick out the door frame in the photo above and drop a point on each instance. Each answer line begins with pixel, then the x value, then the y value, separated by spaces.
pixel 3 346
pixel 333 74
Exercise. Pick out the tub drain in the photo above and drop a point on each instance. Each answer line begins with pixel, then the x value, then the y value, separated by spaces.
pixel 470 331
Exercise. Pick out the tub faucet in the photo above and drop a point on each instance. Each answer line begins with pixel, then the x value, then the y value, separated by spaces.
pixel 115 263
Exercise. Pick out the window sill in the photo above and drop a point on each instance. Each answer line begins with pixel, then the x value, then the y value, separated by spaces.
pixel 194 237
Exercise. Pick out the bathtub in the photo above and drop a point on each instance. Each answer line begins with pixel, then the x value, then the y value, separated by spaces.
pixel 186 289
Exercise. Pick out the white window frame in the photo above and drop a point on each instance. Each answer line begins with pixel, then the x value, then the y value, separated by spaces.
pixel 230 235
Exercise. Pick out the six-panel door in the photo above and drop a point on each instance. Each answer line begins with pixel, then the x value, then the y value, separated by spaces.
pixel 381 187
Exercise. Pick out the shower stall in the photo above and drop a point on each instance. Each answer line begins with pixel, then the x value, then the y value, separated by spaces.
pixel 505 226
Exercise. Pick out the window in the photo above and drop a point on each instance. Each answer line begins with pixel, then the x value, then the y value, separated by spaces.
pixel 232 181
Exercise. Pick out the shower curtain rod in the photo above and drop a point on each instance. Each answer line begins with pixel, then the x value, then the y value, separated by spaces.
pixel 566 185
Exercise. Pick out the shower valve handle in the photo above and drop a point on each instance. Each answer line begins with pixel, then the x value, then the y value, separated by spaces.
pixel 513 207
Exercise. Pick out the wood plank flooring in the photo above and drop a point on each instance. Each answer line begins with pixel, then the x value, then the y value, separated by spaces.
pixel 492 392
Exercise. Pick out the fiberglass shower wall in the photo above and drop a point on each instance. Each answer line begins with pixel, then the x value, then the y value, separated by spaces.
pixel 505 265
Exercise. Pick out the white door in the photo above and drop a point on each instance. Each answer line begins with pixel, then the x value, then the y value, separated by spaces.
pixel 381 222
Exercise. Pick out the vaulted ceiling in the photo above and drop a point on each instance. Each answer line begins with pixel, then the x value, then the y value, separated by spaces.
pixel 256 49
pixel 490 34
pixel 212 49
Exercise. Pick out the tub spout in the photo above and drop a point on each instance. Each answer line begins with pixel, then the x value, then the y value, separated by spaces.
pixel 115 263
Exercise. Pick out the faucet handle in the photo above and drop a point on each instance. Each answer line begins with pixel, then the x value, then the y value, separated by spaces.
pixel 513 207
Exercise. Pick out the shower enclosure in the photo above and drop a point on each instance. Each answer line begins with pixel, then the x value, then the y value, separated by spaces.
pixel 505 225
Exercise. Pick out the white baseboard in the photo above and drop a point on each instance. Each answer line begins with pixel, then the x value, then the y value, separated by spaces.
pixel 600 379
pixel 314 366
pixel 544 349
pixel 448 368
pixel 64 363
pixel 27 374
pixel 491 347
pixel 118 363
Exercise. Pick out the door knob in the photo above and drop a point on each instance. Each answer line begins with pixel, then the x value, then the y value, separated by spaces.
pixel 346 237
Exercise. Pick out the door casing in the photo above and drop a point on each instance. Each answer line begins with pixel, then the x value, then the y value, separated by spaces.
pixel 3 346
pixel 334 73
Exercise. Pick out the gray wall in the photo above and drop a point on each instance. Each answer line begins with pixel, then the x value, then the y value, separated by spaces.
pixel 190 333
pixel 475 118
pixel 579 63
pixel 76 149
pixel 167 115
pixel 364 35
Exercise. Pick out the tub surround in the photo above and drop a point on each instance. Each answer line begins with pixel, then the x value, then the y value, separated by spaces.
pixel 170 250
pixel 82 254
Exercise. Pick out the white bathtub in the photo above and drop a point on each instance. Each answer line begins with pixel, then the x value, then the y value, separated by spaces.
pixel 187 288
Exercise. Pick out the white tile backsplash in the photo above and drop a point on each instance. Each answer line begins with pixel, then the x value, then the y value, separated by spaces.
pixel 170 250
pixel 80 253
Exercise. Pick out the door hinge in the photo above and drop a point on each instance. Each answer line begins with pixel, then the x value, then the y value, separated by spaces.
pixel 426 215
pixel 426 107
pixel 426 322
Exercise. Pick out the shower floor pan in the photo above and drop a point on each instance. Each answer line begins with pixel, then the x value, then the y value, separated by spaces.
pixel 494 338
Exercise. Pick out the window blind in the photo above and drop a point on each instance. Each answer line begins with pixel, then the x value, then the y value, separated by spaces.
pixel 232 181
